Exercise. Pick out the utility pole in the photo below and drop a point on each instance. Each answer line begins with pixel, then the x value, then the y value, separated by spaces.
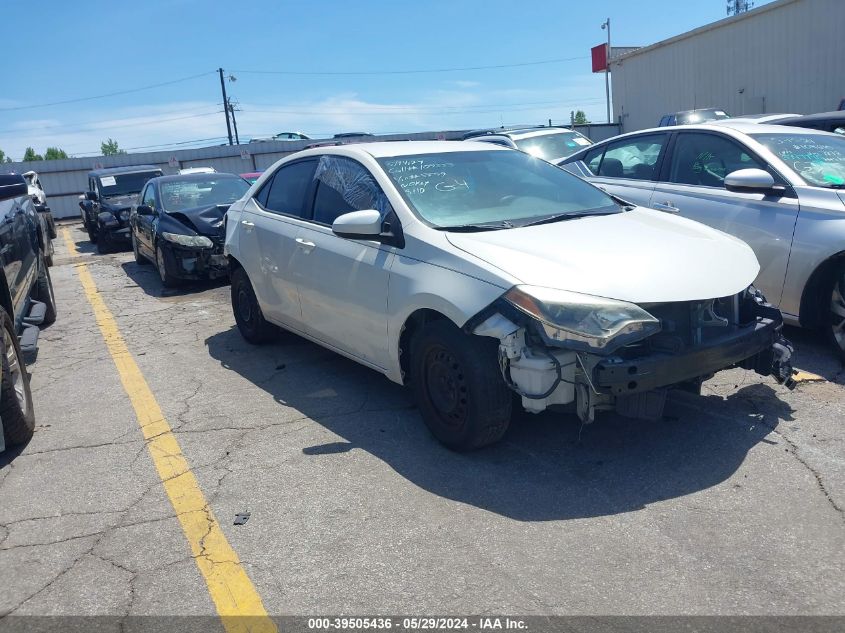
pixel 225 105
pixel 234 121
pixel 606 25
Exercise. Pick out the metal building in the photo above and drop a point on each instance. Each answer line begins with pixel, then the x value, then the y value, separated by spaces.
pixel 785 56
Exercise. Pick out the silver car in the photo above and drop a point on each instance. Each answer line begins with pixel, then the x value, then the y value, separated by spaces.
pixel 780 189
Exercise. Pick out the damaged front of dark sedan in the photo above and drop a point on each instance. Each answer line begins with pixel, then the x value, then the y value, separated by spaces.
pixel 179 225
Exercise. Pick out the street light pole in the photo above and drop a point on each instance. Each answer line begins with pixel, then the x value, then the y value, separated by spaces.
pixel 225 105
pixel 606 26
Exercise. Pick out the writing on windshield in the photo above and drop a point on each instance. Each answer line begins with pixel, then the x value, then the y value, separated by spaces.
pixel 819 159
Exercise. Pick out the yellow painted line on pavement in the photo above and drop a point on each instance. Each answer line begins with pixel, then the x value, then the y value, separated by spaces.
pixel 806 376
pixel 233 593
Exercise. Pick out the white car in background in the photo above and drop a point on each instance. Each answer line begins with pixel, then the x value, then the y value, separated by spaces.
pixel 781 189
pixel 197 170
pixel 549 143
pixel 471 272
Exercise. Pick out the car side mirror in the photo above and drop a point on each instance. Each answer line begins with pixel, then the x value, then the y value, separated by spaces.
pixel 749 180
pixel 358 225
pixel 91 195
pixel 12 186
pixel 144 209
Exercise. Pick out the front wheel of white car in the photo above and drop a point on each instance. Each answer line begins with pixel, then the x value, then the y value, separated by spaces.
pixel 836 312
pixel 458 387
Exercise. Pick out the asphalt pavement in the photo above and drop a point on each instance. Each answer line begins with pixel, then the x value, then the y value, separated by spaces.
pixel 731 504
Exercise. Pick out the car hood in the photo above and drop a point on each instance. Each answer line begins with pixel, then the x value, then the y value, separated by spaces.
pixel 641 256
pixel 119 202
pixel 205 220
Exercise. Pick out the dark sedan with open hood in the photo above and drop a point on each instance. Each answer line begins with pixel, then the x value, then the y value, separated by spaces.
pixel 178 224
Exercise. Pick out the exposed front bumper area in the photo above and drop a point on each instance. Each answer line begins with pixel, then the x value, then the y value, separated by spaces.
pixel 695 342
pixel 197 263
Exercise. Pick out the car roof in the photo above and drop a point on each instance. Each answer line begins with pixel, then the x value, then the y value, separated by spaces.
pixel 836 115
pixel 695 110
pixel 108 171
pixel 408 148
pixel 193 177
pixel 521 129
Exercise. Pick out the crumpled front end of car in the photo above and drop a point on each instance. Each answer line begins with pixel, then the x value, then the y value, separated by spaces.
pixel 559 348
pixel 198 262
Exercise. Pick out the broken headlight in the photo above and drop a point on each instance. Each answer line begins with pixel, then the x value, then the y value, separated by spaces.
pixel 583 322
pixel 195 241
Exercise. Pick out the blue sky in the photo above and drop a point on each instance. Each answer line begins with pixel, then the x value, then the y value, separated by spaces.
pixel 63 50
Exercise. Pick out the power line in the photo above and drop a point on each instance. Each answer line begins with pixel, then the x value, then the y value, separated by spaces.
pixel 109 94
pixel 410 72
pixel 410 109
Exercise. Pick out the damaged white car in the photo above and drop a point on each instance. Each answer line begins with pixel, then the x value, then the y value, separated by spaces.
pixel 471 272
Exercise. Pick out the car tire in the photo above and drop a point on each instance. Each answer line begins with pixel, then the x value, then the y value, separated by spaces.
pixel 251 322
pixel 167 280
pixel 835 321
pixel 103 242
pixel 92 233
pixel 16 410
pixel 139 258
pixel 458 386
pixel 44 293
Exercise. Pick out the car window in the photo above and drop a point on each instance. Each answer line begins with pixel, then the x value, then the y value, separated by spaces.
pixel 344 185
pixel 705 159
pixel 593 158
pixel 149 198
pixel 818 158
pixel 633 158
pixel 286 192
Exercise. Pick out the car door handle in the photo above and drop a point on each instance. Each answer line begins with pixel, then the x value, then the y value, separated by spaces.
pixel 666 207
pixel 305 244
pixel 248 226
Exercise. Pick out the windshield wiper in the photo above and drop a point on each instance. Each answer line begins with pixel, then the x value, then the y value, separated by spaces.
pixel 565 216
pixel 472 228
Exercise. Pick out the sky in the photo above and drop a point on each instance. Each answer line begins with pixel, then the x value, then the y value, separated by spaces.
pixel 319 67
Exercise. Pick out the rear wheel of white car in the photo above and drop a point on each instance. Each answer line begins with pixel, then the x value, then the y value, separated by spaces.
pixel 836 311
pixel 458 386
pixel 251 323
pixel 16 409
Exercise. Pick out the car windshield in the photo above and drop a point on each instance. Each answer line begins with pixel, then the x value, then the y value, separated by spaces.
pixel 818 158
pixel 177 195
pixel 701 115
pixel 498 188
pixel 554 145
pixel 125 184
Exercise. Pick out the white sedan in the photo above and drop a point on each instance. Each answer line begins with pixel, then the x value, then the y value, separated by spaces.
pixel 472 272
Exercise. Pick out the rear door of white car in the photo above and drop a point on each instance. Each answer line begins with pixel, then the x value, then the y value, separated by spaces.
pixel 627 168
pixel 270 224
pixel 342 282
pixel 692 185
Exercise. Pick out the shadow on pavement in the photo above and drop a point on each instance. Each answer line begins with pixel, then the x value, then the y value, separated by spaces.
pixel 146 276
pixel 548 467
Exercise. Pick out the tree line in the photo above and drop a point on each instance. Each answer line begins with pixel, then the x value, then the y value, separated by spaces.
pixel 108 147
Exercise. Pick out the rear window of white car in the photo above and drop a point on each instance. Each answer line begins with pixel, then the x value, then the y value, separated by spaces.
pixel 469 188
pixel 818 158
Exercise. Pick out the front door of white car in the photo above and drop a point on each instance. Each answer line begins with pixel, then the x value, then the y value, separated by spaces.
pixel 693 187
pixel 628 167
pixel 342 282
pixel 270 224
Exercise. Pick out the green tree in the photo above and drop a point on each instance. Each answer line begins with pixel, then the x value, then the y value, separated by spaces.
pixel 110 148
pixel 54 153
pixel 30 155
pixel 581 118
pixel 4 158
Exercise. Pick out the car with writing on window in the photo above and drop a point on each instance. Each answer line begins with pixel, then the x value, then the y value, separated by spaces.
pixel 688 117
pixel 780 189
pixel 549 143
pixel 26 303
pixel 471 272
pixel 106 206
pixel 178 224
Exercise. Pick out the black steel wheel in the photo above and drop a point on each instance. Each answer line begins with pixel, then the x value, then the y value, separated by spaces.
pixel 16 410
pixel 251 322
pixel 458 387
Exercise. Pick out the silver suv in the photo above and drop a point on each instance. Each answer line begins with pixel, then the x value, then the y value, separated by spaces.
pixel 780 189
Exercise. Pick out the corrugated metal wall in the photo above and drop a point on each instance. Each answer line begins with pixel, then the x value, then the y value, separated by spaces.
pixel 787 56
pixel 65 180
